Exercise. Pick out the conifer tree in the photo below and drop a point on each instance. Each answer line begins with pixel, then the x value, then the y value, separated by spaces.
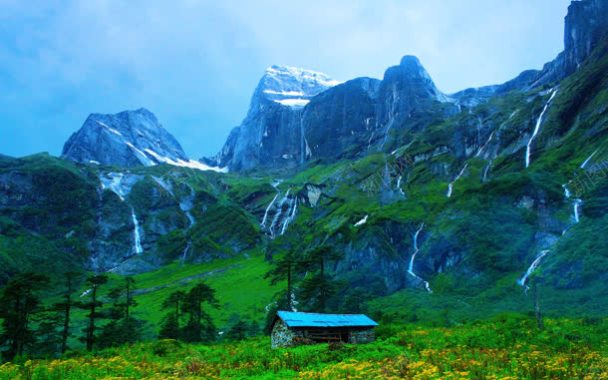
pixel 199 326
pixel 92 306
pixel 19 301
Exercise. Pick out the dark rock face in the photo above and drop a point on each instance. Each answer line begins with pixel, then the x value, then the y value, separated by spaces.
pixel 586 23
pixel 127 139
pixel 296 116
pixel 271 134
pixel 472 97
pixel 341 120
pixel 404 89
pixel 269 138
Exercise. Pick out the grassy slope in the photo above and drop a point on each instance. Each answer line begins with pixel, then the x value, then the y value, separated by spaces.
pixel 239 283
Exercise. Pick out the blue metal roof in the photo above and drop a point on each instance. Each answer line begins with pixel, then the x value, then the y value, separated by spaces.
pixel 297 319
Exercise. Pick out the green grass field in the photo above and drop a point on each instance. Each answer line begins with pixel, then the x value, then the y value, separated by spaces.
pixel 239 283
pixel 506 347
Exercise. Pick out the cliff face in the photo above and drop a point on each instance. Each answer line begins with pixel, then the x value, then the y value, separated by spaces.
pixel 586 23
pixel 340 121
pixel 297 115
pixel 129 138
pixel 270 136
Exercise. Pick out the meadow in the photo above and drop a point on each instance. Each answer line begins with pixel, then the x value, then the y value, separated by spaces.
pixel 505 347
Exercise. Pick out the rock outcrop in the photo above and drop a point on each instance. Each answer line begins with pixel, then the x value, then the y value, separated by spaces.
pixel 127 139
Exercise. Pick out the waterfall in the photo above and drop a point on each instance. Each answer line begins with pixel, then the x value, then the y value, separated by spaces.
pixel 576 204
pixel 387 175
pixel 486 170
pixel 522 281
pixel 191 219
pixel 136 236
pixel 399 189
pixel 567 193
pixel 537 128
pixel 290 215
pixel 277 216
pixel 362 221
pixel 451 185
pixel 450 189
pixel 186 206
pixel 285 211
pixel 263 224
pixel 588 159
pixel 576 214
pixel 185 253
pixel 483 147
pixel 479 127
pixel 410 268
pixel 577 210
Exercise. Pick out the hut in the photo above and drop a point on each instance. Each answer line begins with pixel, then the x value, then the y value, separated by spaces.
pixel 290 328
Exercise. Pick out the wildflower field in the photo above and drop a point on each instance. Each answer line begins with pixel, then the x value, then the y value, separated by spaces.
pixel 504 348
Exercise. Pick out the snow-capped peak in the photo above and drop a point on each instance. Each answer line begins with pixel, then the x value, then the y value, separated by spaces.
pixel 292 86
pixel 127 139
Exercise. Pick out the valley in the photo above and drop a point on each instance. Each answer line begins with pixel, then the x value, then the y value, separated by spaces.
pixel 445 217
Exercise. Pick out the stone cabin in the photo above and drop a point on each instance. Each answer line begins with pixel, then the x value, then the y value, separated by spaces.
pixel 292 328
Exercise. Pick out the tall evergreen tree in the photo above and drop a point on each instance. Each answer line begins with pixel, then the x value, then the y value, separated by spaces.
pixel 92 306
pixel 199 326
pixel 48 333
pixel 65 307
pixel 319 286
pixel 122 327
pixel 170 327
pixel 18 302
pixel 283 270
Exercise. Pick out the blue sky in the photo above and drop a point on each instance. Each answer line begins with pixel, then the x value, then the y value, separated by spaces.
pixel 195 64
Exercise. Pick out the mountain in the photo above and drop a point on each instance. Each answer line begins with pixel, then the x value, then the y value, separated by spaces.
pixel 270 134
pixel 126 139
pixel 398 197
pixel 585 24
pixel 296 116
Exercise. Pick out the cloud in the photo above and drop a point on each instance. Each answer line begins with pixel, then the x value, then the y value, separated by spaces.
pixel 196 63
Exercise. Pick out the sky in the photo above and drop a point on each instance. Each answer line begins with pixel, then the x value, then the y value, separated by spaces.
pixel 195 64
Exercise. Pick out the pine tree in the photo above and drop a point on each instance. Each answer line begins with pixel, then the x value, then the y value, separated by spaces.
pixel 283 270
pixel 95 282
pixel 18 303
pixel 65 307
pixel 199 326
pixel 123 327
pixel 319 286
pixel 48 333
pixel 170 327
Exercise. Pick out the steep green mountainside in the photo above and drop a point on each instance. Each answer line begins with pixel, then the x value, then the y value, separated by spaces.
pixel 456 217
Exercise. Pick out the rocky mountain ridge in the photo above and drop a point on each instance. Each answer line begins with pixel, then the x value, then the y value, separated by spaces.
pixel 272 138
pixel 127 139
pixel 401 186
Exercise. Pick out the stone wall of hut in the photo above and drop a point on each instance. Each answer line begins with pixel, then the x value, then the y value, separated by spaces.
pixel 361 336
pixel 283 336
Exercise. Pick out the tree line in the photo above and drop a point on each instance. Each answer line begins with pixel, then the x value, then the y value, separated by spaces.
pixel 311 282
pixel 32 328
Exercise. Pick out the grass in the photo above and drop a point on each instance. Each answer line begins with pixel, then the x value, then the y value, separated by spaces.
pixel 507 347
pixel 239 283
